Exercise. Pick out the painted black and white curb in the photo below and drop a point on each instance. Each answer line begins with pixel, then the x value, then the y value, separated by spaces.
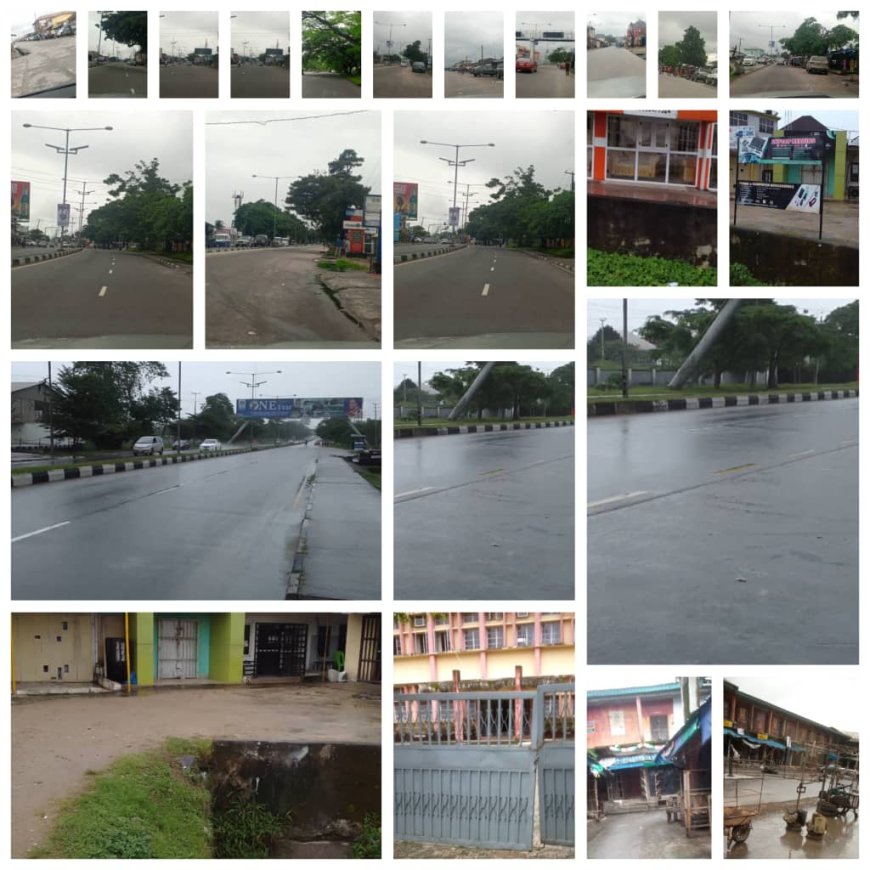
pixel 58 474
pixel 422 431
pixel 609 409
pixel 398 259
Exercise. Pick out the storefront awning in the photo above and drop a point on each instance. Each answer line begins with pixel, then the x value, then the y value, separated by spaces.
pixel 698 727
pixel 759 741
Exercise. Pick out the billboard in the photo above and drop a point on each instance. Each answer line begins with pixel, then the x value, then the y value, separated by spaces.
pixel 21 200
pixel 296 408
pixel 405 199
pixel 780 195
pixel 63 214
pixel 762 148
pixel 372 210
pixel 453 215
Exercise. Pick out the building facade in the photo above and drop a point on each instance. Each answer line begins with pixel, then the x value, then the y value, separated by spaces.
pixel 671 149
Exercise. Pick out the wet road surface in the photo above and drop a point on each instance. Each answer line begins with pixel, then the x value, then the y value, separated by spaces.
pixel 328 86
pixel 549 81
pixel 259 81
pixel 769 839
pixel 734 532
pixel 792 81
pixel 396 80
pixel 183 80
pixel 644 835
pixel 485 516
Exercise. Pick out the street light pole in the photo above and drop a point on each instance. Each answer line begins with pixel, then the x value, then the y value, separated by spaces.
pixel 253 385
pixel 66 151
pixel 277 178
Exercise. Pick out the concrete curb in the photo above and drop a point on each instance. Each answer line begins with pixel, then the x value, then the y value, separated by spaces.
pixel 422 431
pixel 294 581
pixel 59 474
pixel 564 265
pixel 409 258
pixel 38 258
pixel 610 409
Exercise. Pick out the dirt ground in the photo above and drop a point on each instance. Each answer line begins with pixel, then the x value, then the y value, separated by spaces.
pixel 56 741
pixel 406 849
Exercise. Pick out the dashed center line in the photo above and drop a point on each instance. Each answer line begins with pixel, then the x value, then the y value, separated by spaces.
pixel 613 498
pixel 40 531
pixel 413 491
pixel 485 290
pixel 734 468
pixel 103 291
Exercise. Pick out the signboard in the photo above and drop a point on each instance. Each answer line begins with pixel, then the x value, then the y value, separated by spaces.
pixel 277 53
pixel 735 134
pixel 397 226
pixel 453 215
pixel 651 113
pixel 372 214
pixel 405 199
pixel 352 225
pixel 63 214
pixel 802 146
pixel 780 195
pixel 21 200
pixel 751 149
pixel 202 52
pixel 295 408
pixel 553 34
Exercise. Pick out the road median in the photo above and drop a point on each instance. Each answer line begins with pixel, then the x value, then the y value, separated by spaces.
pixel 647 406
pixel 398 259
pixel 425 431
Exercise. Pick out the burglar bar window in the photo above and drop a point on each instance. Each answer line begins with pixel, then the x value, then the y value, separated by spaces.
pixel 687 136
pixel 471 637
pixel 421 643
pixel 766 125
pixel 495 638
pixel 550 633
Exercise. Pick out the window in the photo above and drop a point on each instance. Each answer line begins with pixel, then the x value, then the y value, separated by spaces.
pixel 738 119
pixel 853 173
pixel 421 643
pixel 617 723
pixel 687 136
pixel 658 727
pixel 491 617
pixel 246 649
pixel 766 124
pixel 471 638
pixel 442 641
pixel 442 619
pixel 551 633
pixel 526 635
pixel 522 615
pixel 397 645
pixel 495 637
pixel 419 622
pixel 470 617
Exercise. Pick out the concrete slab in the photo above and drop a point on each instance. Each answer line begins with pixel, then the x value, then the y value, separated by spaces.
pixel 644 835
pixel 769 839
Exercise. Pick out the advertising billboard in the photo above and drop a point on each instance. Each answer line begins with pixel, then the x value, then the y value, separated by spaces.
pixel 21 200
pixel 296 408
pixel 405 199
pixel 453 216
pixel 63 214
pixel 780 195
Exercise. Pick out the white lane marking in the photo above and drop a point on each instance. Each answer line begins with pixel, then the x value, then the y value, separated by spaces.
pixel 492 269
pixel 485 290
pixel 132 90
pixel 103 291
pixel 613 498
pixel 168 489
pixel 40 531
pixel 110 271
pixel 412 492
pixel 802 453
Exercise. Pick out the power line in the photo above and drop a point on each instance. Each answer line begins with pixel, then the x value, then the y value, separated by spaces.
pixel 282 120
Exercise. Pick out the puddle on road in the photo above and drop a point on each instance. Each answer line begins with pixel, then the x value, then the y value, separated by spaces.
pixel 769 839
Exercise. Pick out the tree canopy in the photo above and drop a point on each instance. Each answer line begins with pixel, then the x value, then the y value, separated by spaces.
pixel 261 217
pixel 332 41
pixel 128 28
pixel 812 38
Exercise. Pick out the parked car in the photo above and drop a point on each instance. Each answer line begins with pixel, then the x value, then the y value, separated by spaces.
pixel 418 66
pixel 261 241
pixel 485 69
pixel 526 65
pixel 210 445
pixel 181 445
pixel 817 64
pixel 244 242
pixel 148 445
pixel 707 75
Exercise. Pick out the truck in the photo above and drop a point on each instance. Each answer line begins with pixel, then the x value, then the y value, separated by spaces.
pixel 222 240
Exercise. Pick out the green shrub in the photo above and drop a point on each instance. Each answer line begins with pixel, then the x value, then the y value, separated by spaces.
pixel 368 843
pixel 740 276
pixel 245 829
pixel 629 270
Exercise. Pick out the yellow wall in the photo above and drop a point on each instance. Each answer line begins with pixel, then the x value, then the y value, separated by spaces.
pixel 42 645
pixel 352 646
pixel 226 647
pixel 142 647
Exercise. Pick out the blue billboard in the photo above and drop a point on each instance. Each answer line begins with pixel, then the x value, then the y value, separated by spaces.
pixel 297 408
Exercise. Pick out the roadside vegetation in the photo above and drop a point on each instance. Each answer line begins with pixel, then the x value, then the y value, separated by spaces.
pixel 629 270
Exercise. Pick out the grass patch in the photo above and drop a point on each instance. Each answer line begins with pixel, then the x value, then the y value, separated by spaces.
pixel 740 276
pixel 367 474
pixel 142 806
pixel 368 843
pixel 628 270
pixel 245 829
pixel 357 80
pixel 342 265
pixel 435 422
pixel 640 394
pixel 561 253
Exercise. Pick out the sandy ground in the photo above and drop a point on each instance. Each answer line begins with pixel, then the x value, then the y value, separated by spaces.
pixel 56 741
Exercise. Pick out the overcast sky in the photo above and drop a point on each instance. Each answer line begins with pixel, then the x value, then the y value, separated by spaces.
pixel 547 142
pixel 236 151
pixel 753 28
pixel 261 30
pixel 835 120
pixel 409 369
pixel 536 23
pixel 137 135
pixel 613 23
pixel 673 25
pixel 407 28
pixel 306 380
pixel 189 30
pixel 472 35
pixel 641 309
pixel 22 19
pixel 828 696
pixel 120 50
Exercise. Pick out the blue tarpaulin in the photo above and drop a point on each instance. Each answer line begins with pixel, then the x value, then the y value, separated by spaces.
pixel 700 723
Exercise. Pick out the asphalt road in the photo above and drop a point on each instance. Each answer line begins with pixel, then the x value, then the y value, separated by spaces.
pixel 318 85
pixel 775 80
pixel 679 88
pixel 117 80
pixel 254 81
pixel 271 296
pixel 485 516
pixel 396 80
pixel 99 298
pixel 615 72
pixel 483 297
pixel 221 528
pixel 644 835
pixel 43 66
pixel 548 81
pixel 180 80
pixel 724 536
pixel 466 85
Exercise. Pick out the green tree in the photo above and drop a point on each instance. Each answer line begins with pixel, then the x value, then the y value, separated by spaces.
pixel 808 39
pixel 669 56
pixel 839 360
pixel 332 41
pixel 692 48
pixel 414 53
pixel 839 36
pixel 216 418
pixel 128 28
pixel 259 218
pixel 323 199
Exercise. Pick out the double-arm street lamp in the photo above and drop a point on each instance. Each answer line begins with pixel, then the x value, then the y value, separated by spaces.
pixel 455 163
pixel 253 384
pixel 276 178
pixel 66 151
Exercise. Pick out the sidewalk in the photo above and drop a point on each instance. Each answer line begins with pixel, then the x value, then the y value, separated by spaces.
pixel 340 549
pixel 358 296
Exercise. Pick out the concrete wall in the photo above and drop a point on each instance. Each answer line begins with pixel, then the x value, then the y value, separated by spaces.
pixel 631 226
pixel 227 640
pixel 353 645
pixel 53 647
pixel 793 261
pixel 142 648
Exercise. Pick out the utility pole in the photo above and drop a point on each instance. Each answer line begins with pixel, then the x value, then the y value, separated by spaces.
pixel 602 321
pixel 253 384
pixel 195 397
pixel 569 172
pixel 625 348
pixel 771 44
pixel 419 394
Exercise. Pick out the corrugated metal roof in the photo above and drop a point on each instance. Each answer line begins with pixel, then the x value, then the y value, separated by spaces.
pixel 634 690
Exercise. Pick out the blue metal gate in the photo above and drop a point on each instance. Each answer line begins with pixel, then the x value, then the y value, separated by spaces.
pixel 467 765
